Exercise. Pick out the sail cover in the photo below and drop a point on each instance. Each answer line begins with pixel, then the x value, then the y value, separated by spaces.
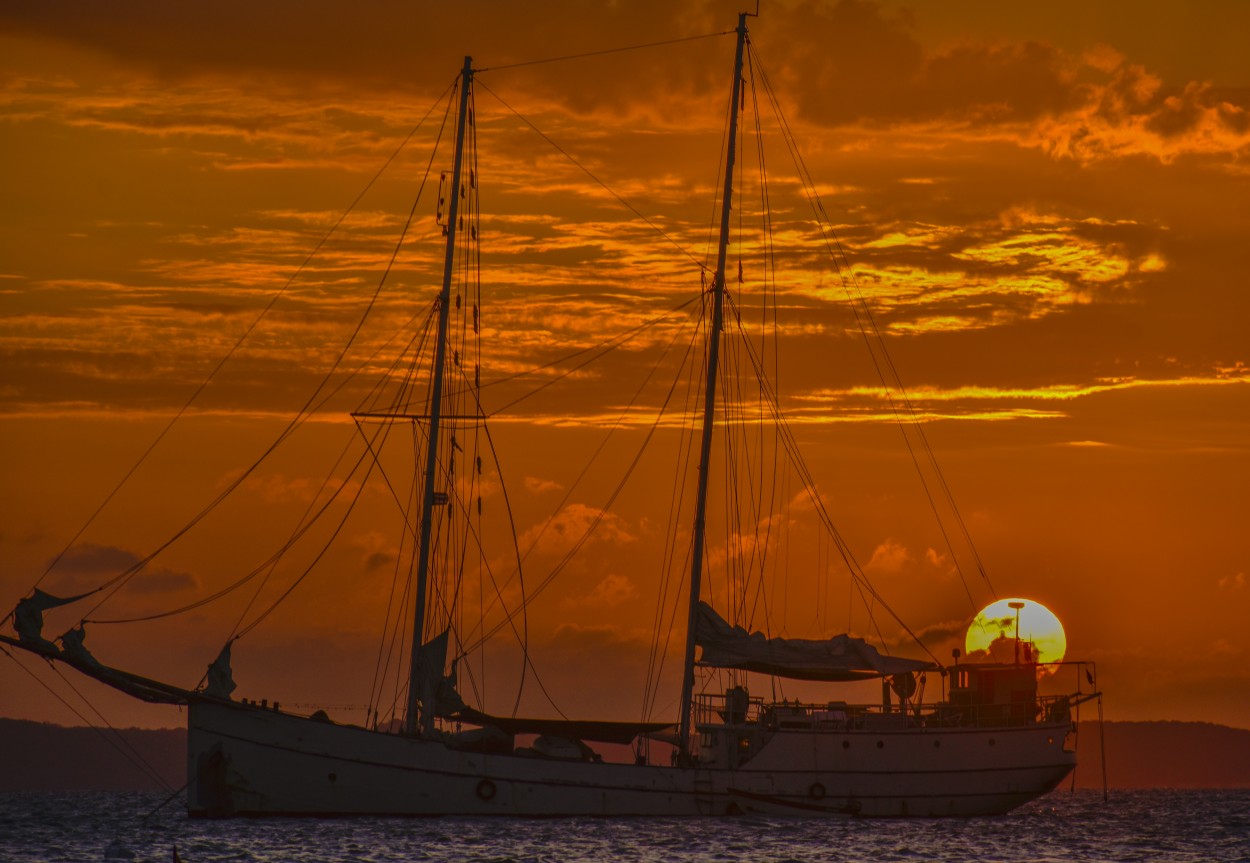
pixel 577 729
pixel 839 658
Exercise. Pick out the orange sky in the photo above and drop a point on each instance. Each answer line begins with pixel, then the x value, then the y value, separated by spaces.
pixel 1045 208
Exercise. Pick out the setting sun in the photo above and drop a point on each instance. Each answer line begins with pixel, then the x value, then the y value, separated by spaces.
pixel 993 630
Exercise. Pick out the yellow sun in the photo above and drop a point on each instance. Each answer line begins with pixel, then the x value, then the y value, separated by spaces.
pixel 993 631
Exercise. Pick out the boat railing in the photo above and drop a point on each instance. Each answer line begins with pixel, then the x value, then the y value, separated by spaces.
pixel 741 712
pixel 733 708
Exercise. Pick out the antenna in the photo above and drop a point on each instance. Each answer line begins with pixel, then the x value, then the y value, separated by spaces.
pixel 1017 605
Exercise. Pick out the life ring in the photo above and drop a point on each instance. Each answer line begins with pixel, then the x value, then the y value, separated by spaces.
pixel 486 790
pixel 816 791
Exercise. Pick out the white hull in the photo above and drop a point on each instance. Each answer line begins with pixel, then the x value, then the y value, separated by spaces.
pixel 245 760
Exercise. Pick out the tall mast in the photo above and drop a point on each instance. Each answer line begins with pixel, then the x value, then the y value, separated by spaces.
pixel 412 722
pixel 709 401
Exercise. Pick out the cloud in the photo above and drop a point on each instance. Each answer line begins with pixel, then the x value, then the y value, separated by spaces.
pixel 1126 111
pixel 377 551
pixel 606 640
pixel 861 65
pixel 848 64
pixel 888 558
pixel 856 62
pixel 563 531
pixel 86 566
pixel 538 485
pixel 611 591
pixel 1233 582
pixel 873 404
pixel 937 633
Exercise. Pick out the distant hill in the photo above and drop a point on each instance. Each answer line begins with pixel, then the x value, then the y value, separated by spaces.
pixel 36 756
pixel 1164 755
pixel 40 757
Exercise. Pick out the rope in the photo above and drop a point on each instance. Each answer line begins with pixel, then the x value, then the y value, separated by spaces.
pixel 116 741
pixel 170 798
pixel 849 281
pixel 809 484
pixel 604 51
pixel 565 153
pixel 120 580
pixel 546 582
pixel 234 348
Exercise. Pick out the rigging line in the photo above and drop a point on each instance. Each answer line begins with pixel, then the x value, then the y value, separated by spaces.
pixel 380 670
pixel 619 341
pixel 523 636
pixel 394 637
pixel 809 481
pixel 595 455
pixel 138 760
pixel 87 722
pixel 246 334
pixel 608 344
pixel 396 640
pixel 686 438
pixel 846 273
pixel 693 397
pixel 604 51
pixel 419 338
pixel 307 570
pixel 121 579
pixel 304 524
pixel 516 549
pixel 282 551
pixel 607 505
pixel 917 426
pixel 404 384
pixel 309 518
pixel 169 799
pixel 731 404
pixel 483 565
pixel 769 281
pixel 823 219
pixel 797 460
pixel 791 442
pixel 273 559
pixel 592 176
pixel 718 187
pixel 269 562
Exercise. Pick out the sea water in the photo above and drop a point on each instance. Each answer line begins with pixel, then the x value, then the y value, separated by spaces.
pixel 1196 826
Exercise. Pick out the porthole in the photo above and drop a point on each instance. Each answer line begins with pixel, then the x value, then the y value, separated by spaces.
pixel 846 744
pixel 937 744
pixel 992 741
pixel 881 744
pixel 1050 740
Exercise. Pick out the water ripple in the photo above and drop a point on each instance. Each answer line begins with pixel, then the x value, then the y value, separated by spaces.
pixel 1155 826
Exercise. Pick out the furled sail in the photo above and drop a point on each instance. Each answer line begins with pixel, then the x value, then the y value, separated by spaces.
pixel 839 658
pixel 73 646
pixel 220 679
pixel 28 616
pixel 574 729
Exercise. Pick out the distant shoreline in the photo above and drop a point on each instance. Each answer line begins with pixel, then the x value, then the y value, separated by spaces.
pixel 1153 754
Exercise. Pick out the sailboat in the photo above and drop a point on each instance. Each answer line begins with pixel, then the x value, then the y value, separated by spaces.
pixel 992 742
